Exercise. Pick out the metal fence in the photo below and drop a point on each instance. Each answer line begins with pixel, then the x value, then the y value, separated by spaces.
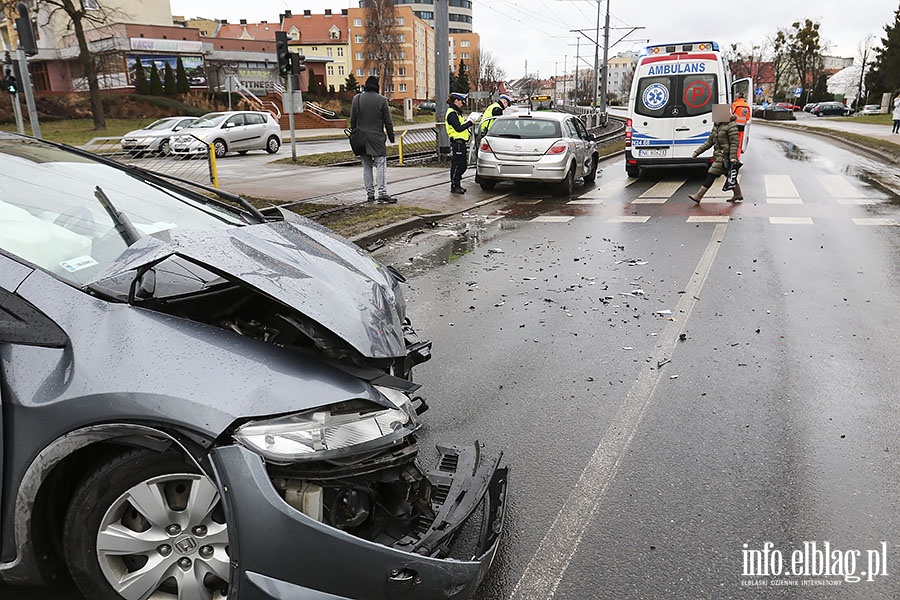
pixel 419 143
pixel 155 153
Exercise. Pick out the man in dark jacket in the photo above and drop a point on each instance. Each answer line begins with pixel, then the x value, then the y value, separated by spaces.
pixel 370 114
pixel 724 140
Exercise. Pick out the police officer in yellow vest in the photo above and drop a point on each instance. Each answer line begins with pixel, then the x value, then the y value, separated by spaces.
pixel 493 111
pixel 458 130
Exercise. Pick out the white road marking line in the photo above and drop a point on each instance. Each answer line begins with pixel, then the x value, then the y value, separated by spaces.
pixel 586 201
pixel 628 219
pixel 708 219
pixel 548 565
pixel 790 221
pixel 876 221
pixel 608 190
pixel 551 219
pixel 649 201
pixel 780 186
pixel 784 201
pixel 538 201
pixel 856 201
pixel 840 187
pixel 663 189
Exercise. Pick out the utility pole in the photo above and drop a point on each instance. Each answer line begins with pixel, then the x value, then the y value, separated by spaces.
pixel 605 63
pixel 441 72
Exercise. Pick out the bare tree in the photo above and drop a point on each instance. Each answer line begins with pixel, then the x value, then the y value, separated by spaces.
pixel 80 16
pixel 488 75
pixel 381 45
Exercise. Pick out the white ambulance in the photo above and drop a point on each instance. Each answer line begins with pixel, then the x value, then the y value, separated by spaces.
pixel 670 105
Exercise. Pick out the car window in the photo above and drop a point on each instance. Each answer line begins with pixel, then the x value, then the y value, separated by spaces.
pixel 235 120
pixel 161 124
pixel 209 121
pixel 50 214
pixel 579 126
pixel 571 130
pixel 185 123
pixel 255 119
pixel 525 128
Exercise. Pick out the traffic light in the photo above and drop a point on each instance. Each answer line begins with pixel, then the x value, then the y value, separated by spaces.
pixel 281 51
pixel 25 31
pixel 297 63
pixel 10 84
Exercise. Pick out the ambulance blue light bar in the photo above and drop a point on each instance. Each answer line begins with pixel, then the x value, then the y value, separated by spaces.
pixel 680 47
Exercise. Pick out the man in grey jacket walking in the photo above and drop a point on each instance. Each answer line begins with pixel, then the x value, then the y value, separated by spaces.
pixel 370 114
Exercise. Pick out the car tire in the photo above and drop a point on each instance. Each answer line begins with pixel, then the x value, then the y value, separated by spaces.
pixel 273 144
pixel 164 147
pixel 487 184
pixel 818 114
pixel 591 175
pixel 221 148
pixel 567 185
pixel 112 505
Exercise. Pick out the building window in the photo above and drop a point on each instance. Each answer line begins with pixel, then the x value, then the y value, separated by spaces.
pixel 401 72
pixel 402 55
pixel 358 39
pixel 340 70
pixel 357 22
pixel 401 38
pixel 464 43
pixel 335 33
pixel 360 72
pixel 340 51
pixel 465 56
pixel 329 50
pixel 91 5
pixel 359 56
pixel 402 87
pixel 399 21
pixel 314 49
pixel 372 73
pixel 330 70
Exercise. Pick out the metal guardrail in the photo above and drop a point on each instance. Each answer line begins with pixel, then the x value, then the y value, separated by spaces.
pixel 154 154
pixel 320 110
pixel 417 143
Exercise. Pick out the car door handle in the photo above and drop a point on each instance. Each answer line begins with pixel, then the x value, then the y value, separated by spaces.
pixel 682 129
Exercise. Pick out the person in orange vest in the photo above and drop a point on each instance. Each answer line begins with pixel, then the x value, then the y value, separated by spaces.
pixel 741 110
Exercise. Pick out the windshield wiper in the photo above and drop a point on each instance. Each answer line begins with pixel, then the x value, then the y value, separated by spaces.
pixel 124 226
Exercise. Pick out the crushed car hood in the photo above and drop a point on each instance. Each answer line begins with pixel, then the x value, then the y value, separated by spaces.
pixel 295 262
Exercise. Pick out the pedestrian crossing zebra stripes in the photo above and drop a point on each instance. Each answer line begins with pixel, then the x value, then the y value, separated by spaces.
pixel 785 200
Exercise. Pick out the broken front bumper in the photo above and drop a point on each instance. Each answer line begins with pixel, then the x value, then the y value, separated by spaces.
pixel 280 553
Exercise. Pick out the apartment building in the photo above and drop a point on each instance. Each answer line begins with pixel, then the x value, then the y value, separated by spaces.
pixel 620 70
pixel 413 69
pixel 459 12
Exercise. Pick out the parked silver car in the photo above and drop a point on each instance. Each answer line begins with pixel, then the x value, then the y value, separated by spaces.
pixel 156 136
pixel 541 146
pixel 201 401
pixel 232 131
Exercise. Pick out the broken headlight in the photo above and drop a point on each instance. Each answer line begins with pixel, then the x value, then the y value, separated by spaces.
pixel 330 432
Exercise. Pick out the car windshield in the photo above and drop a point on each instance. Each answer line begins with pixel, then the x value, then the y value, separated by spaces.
pixel 50 214
pixel 525 128
pixel 208 121
pixel 162 124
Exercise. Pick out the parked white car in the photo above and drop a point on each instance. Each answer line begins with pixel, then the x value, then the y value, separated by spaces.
pixel 871 109
pixel 540 146
pixel 156 136
pixel 232 131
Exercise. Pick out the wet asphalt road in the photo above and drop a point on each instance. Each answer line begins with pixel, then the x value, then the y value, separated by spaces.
pixel 647 448
pixel 670 382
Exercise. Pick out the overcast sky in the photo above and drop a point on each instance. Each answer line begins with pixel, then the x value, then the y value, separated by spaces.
pixel 538 31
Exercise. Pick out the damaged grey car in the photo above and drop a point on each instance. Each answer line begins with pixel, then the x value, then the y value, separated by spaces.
pixel 203 401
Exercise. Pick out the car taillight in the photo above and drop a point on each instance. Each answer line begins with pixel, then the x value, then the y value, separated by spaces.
pixel 628 134
pixel 485 147
pixel 558 148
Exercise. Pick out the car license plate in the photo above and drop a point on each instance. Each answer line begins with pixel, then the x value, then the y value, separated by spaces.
pixel 654 152
pixel 515 169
